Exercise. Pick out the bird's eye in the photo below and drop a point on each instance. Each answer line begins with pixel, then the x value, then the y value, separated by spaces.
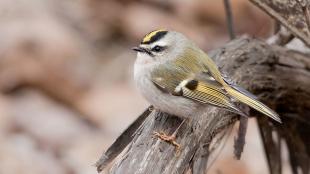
pixel 158 48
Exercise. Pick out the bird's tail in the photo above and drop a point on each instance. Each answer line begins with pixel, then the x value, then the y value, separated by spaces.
pixel 252 102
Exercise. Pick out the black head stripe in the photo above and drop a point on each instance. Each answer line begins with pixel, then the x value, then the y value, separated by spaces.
pixel 154 36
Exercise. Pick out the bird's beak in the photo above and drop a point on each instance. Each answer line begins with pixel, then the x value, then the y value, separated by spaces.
pixel 139 49
pixel 143 50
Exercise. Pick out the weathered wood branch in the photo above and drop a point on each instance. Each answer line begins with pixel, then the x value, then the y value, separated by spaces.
pixel 293 14
pixel 275 74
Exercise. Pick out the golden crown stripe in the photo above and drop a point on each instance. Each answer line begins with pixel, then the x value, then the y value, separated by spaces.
pixel 148 37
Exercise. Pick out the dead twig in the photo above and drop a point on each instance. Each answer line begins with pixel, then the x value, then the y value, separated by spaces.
pixel 240 139
pixel 229 19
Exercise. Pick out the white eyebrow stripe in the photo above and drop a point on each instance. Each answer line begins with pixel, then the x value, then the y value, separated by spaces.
pixel 160 43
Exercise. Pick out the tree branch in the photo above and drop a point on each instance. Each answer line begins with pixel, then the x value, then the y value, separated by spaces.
pixel 290 16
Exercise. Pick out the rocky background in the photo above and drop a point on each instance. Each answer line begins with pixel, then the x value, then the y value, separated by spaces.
pixel 66 76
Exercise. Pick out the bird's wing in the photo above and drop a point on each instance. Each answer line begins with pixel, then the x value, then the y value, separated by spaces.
pixel 238 92
pixel 209 93
pixel 240 89
pixel 177 77
pixel 201 88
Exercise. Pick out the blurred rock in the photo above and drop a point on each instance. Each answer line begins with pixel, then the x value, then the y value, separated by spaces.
pixel 118 105
pixel 20 154
pixel 48 122
pixel 82 154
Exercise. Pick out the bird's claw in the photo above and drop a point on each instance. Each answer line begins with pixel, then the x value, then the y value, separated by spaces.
pixel 168 138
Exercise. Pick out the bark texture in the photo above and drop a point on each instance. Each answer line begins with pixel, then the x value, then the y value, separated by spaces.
pixel 279 77
pixel 293 14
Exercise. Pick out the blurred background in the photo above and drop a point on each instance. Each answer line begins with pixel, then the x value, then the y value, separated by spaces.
pixel 66 76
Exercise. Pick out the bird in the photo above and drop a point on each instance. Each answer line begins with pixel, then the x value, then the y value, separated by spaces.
pixel 177 77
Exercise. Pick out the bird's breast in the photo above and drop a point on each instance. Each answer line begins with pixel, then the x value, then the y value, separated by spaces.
pixel 175 105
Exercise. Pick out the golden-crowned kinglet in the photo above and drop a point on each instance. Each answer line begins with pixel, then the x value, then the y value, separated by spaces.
pixel 177 77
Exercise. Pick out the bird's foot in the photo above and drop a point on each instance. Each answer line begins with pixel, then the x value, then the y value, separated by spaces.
pixel 169 139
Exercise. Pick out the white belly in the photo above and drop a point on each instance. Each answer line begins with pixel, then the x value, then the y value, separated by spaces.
pixel 175 105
